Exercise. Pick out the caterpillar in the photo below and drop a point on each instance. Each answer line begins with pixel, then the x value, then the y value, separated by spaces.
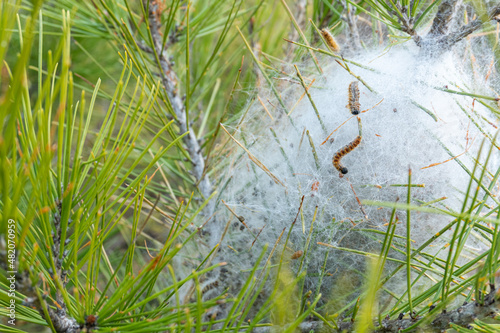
pixel 342 152
pixel 332 44
pixel 209 286
pixel 353 104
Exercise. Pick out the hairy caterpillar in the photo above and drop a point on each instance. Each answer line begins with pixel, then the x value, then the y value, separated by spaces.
pixel 342 152
pixel 332 44
pixel 353 104
pixel 209 286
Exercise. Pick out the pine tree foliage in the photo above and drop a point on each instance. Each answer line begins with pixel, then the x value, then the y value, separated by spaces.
pixel 118 119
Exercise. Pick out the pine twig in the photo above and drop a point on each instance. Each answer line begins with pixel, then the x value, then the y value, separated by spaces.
pixel 438 38
pixel 463 316
pixel 466 30
pixel 170 82
pixel 58 317
pixel 443 18
pixel 353 27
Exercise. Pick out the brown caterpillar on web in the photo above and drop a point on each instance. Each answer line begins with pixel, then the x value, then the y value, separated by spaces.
pixel 332 44
pixel 209 287
pixel 353 103
pixel 344 151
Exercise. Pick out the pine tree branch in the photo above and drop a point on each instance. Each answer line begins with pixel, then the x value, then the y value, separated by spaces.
pixel 170 82
pixel 61 321
pixel 443 18
pixel 353 33
pixel 464 316
pixel 466 30
pixel 59 318
pixel 438 40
